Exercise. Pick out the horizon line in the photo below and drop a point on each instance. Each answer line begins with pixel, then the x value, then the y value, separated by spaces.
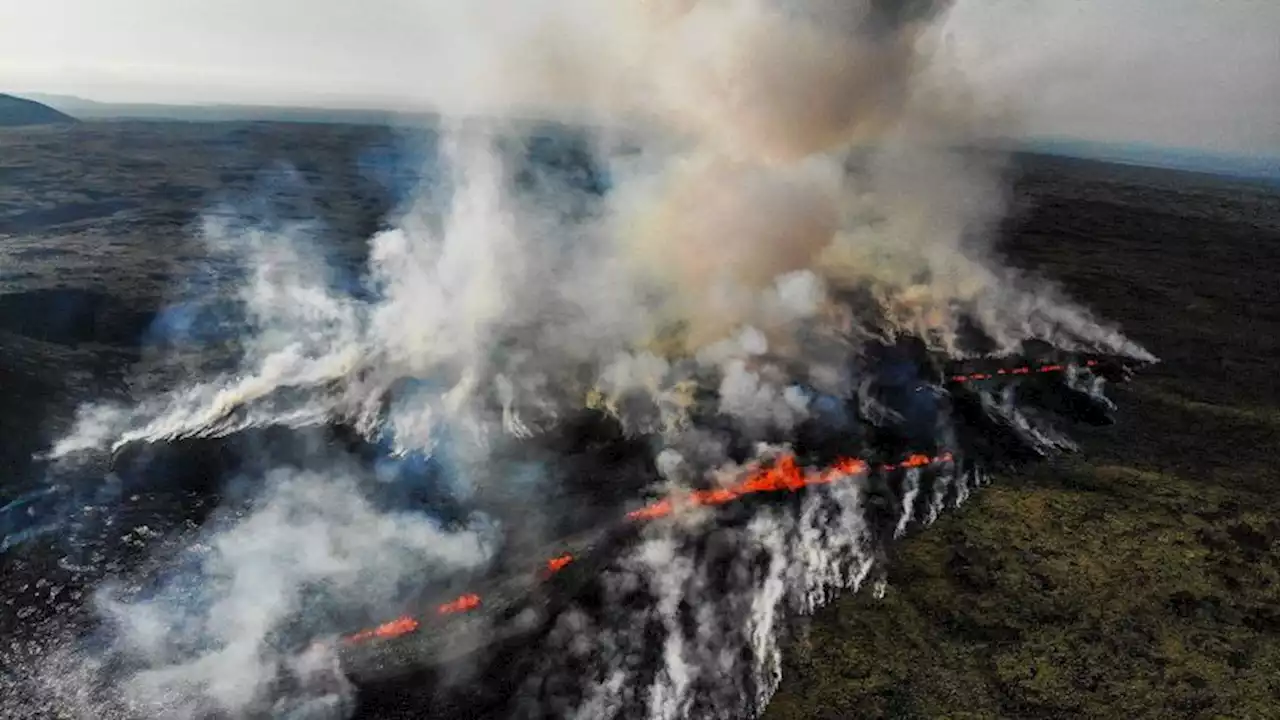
pixel 1082 146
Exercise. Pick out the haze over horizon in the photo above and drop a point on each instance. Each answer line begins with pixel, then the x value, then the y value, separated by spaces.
pixel 1176 73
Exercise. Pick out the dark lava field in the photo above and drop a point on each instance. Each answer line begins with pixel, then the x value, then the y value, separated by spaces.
pixel 1139 579
pixel 99 226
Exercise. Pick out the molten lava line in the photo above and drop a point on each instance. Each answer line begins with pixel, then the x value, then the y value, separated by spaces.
pixel 395 628
pixel 1023 370
pixel 556 564
pixel 783 475
pixel 470 601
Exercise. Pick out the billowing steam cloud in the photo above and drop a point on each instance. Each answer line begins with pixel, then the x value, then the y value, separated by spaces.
pixel 771 163
pixel 210 637
pixel 716 659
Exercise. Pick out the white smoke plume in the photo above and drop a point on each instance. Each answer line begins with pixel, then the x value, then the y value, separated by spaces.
pixel 789 153
pixel 708 643
pixel 213 637
pixel 767 159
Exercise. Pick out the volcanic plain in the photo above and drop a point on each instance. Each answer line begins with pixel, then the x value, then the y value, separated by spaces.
pixel 1139 579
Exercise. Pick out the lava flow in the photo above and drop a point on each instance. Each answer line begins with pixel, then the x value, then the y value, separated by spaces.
pixel 395 628
pixel 470 601
pixel 783 475
pixel 556 564
pixel 1021 370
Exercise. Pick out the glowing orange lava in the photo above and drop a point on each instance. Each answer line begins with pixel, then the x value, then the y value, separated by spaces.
pixel 470 601
pixel 1024 370
pixel 556 564
pixel 783 475
pixel 395 628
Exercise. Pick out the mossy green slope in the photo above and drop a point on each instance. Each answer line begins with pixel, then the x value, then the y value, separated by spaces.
pixel 1140 579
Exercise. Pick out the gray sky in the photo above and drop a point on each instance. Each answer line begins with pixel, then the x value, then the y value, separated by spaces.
pixel 1187 73
pixel 1190 73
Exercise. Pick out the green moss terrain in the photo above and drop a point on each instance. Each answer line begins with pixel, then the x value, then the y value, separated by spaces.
pixel 1141 578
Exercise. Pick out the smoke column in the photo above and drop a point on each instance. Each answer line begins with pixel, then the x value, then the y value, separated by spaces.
pixel 769 161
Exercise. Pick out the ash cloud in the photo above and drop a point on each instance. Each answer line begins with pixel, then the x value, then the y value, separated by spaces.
pixel 766 162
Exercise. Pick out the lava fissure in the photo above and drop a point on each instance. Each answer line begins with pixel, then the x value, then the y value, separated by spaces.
pixel 783 475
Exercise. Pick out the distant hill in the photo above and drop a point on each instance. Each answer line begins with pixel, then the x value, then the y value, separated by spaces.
pixel 16 111
pixel 389 112
pixel 94 110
